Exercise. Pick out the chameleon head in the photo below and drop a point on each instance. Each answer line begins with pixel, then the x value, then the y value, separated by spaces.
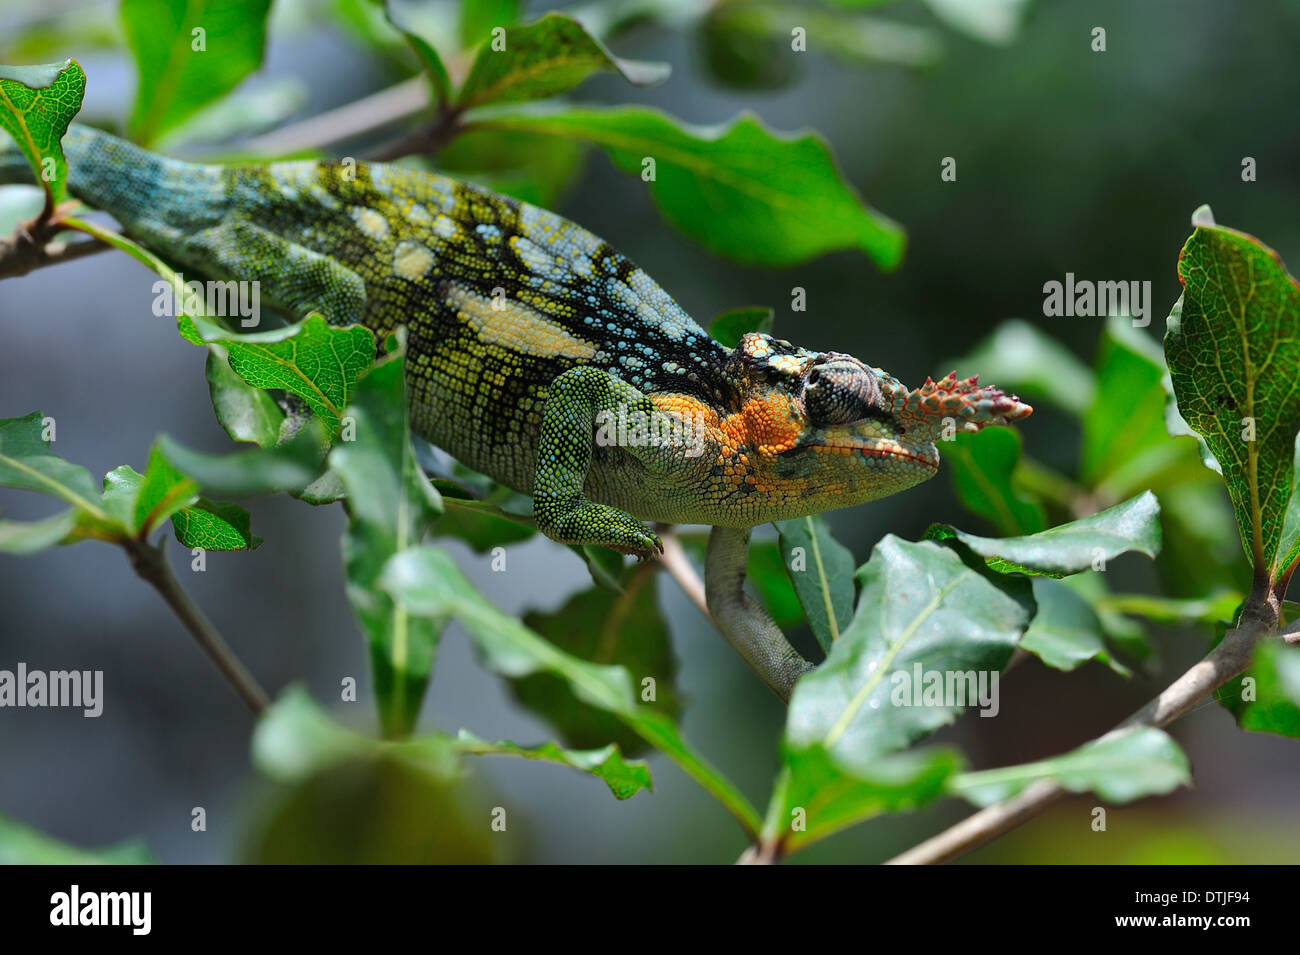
pixel 830 432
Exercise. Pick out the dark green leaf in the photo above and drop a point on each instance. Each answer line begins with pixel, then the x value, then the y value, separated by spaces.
pixel 532 168
pixel 1066 632
pixel 1090 543
pixel 480 525
pixel 1266 698
pixel 922 614
pixel 731 326
pixel 821 569
pixel 624 778
pixel 983 468
pixel 745 193
pixel 214 525
pixel 36 105
pixel 544 59
pixel 815 798
pixel 1233 346
pixel 318 362
pixel 246 413
pixel 600 627
pixel 391 506
pixel 188 55
pixel 290 467
pixel 1119 767
pixel 428 583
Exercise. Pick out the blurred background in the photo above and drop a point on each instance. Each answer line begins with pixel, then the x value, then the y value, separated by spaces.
pixel 1068 160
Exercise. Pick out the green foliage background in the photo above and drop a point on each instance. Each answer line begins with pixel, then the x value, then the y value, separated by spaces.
pixel 1068 160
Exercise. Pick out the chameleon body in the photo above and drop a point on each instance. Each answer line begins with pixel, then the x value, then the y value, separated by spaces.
pixel 539 355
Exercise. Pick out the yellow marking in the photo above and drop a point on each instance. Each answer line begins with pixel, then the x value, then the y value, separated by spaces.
pixel 370 222
pixel 514 325
pixel 412 261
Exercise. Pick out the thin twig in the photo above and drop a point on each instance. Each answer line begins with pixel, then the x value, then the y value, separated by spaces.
pixel 349 121
pixel 679 568
pixel 148 561
pixel 1229 659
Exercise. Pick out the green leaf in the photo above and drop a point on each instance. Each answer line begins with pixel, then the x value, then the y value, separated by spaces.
pixel 822 574
pixel 317 361
pixel 295 738
pixel 1270 702
pixel 532 168
pixel 600 627
pixel 815 798
pixel 767 570
pixel 480 525
pixel 423 25
pixel 731 326
pixel 983 475
pixel 605 566
pixel 921 611
pixel 188 55
pixel 290 467
pixel 1233 346
pixel 391 505
pixel 624 778
pixel 1066 632
pixel 163 492
pixel 1127 451
pixel 1133 526
pixel 26 462
pixel 36 105
pixel 214 525
pixel 1119 767
pixel 743 192
pixel 479 17
pixel 246 413
pixel 428 584
pixel 29 537
pixel 544 59
pixel 22 845
pixel 1020 357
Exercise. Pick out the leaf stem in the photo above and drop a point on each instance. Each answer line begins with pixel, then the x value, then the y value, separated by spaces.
pixel 149 563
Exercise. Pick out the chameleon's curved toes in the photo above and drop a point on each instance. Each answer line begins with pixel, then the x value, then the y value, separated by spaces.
pixel 746 625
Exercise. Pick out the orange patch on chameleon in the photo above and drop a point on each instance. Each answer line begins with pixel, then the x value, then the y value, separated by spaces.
pixel 767 424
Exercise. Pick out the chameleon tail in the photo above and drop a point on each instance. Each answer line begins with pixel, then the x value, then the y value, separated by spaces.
pixel 135 186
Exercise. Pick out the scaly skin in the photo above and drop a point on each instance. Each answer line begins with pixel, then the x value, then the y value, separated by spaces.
pixel 530 340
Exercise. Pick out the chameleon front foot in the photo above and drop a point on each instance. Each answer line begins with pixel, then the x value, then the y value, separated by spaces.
pixel 585 522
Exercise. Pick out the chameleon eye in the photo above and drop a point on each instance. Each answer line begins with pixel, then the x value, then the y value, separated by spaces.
pixel 838 390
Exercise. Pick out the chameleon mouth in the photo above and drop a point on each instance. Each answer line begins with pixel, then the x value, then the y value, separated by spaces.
pixel 876 449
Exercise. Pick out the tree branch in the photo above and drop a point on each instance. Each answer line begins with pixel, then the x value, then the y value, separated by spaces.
pixel 148 561
pixel 679 567
pixel 32 247
pixel 1229 659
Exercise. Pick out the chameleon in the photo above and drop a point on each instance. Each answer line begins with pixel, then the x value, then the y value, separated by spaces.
pixel 543 358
